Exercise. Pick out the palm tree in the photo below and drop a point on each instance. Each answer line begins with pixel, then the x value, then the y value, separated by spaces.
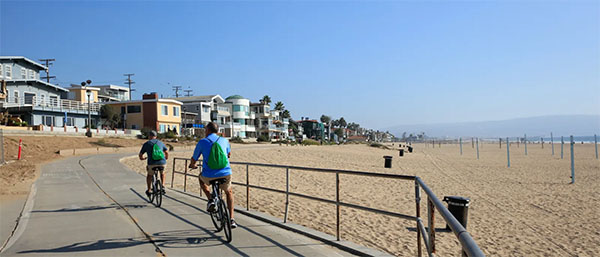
pixel 325 118
pixel 342 122
pixel 279 106
pixel 285 114
pixel 266 99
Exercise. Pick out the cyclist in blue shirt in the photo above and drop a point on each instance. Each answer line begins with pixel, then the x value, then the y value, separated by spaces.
pixel 203 148
pixel 147 149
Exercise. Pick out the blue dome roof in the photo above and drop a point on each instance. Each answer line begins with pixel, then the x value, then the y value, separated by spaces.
pixel 234 97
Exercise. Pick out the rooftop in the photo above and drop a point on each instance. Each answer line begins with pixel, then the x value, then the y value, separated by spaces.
pixel 235 97
pixel 42 67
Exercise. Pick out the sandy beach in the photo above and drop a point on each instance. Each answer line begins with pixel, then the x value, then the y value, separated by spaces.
pixel 529 209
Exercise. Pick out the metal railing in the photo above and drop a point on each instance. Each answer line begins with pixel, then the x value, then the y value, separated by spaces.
pixel 424 234
pixel 54 103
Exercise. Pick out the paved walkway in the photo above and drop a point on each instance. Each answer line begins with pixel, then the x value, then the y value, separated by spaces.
pixel 76 212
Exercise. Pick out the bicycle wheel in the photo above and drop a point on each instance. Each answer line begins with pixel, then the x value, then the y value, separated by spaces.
pixel 216 217
pixel 225 221
pixel 158 192
pixel 151 196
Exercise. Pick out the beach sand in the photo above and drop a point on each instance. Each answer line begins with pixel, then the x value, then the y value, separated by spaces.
pixel 529 209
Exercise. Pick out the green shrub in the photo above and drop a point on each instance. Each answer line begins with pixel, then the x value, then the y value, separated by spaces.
pixel 145 132
pixel 236 140
pixel 169 134
pixel 263 138
pixel 310 142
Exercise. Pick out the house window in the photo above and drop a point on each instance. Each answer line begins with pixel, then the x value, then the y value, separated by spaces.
pixel 48 120
pixel 42 100
pixel 31 74
pixel 54 100
pixel 23 73
pixel 69 121
pixel 162 128
pixel 133 126
pixel 1 71
pixel 206 108
pixel 164 110
pixel 237 108
pixel 8 72
pixel 134 109
pixel 197 107
pixel 29 98
pixel 175 111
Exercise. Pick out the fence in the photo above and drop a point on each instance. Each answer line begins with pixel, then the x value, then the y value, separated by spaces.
pixel 425 235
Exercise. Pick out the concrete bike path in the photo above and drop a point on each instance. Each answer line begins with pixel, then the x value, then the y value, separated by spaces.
pixel 101 210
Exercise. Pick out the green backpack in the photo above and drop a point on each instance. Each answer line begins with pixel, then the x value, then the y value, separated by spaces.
pixel 157 152
pixel 217 158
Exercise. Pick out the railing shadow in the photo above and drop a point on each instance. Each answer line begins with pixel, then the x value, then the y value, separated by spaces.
pixel 94 208
pixel 207 231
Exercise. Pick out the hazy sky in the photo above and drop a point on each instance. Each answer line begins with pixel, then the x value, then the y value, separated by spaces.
pixel 376 63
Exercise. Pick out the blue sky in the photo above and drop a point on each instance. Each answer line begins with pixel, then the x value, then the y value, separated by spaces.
pixel 376 63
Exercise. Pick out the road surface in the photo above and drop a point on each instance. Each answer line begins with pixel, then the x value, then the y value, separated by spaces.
pixel 94 206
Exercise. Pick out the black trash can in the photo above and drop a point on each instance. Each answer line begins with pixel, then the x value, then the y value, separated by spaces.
pixel 388 161
pixel 459 207
pixel 410 149
pixel 401 152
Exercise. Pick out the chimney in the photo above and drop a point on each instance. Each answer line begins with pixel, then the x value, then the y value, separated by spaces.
pixel 152 95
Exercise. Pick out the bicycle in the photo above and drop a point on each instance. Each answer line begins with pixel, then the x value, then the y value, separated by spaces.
pixel 220 216
pixel 156 186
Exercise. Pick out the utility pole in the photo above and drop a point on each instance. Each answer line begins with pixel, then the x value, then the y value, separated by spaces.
pixel 129 82
pixel 188 92
pixel 176 89
pixel 48 63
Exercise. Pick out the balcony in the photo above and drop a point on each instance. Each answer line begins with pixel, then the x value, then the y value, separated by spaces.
pixel 60 105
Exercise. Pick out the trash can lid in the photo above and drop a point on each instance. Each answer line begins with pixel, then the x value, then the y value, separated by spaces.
pixel 387 157
pixel 457 200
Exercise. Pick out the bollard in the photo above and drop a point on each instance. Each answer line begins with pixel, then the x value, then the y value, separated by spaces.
pixel 542 139
pixel 562 144
pixel 460 140
pixel 596 145
pixel 410 149
pixel 20 146
pixel 572 161
pixel 500 142
pixel 552 142
pixel 388 162
pixel 401 152
pixel 477 148
pixel 508 152
pixel 525 141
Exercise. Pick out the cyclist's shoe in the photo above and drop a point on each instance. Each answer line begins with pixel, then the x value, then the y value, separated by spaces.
pixel 148 193
pixel 162 192
pixel 210 206
pixel 233 224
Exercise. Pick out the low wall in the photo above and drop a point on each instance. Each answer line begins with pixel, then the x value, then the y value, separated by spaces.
pixel 110 150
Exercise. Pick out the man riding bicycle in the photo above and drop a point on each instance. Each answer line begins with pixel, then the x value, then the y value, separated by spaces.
pixel 153 149
pixel 204 148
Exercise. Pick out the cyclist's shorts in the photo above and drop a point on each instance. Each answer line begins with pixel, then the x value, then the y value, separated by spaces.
pixel 150 171
pixel 225 186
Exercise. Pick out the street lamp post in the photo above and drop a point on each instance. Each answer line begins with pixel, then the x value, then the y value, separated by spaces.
pixel 89 93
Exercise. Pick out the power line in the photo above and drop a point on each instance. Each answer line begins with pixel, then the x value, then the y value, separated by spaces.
pixel 188 92
pixel 48 63
pixel 129 82
pixel 176 89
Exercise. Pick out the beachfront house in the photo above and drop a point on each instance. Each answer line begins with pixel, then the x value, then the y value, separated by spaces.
pixel 161 115
pixel 112 93
pixel 38 102
pixel 242 124
pixel 312 129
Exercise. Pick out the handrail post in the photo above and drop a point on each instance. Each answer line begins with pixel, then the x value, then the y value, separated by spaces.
pixel 337 204
pixel 247 189
pixel 173 173
pixel 417 201
pixel 185 176
pixel 431 224
pixel 287 194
